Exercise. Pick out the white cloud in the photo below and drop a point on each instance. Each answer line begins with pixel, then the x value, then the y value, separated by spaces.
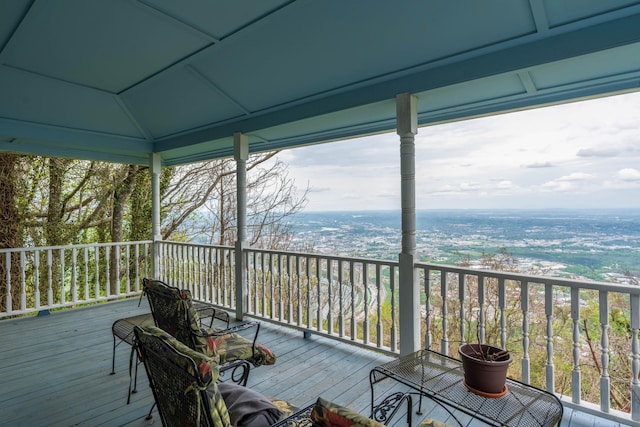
pixel 628 174
pixel 598 152
pixel 319 189
pixel 576 176
pixel 505 184
pixel 539 165
pixel 352 196
pixel 557 186
pixel 568 155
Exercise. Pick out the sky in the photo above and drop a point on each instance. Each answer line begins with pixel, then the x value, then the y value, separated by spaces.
pixel 579 155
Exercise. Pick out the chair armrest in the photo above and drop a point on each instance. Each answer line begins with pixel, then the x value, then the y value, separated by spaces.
pixel 205 312
pixel 221 315
pixel 234 330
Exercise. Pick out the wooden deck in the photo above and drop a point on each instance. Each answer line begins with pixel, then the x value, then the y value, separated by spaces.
pixel 54 371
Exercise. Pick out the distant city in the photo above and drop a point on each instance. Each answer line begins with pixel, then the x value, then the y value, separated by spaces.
pixel 594 244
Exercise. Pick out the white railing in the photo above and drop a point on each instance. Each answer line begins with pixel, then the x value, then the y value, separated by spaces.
pixel 570 337
pixel 573 338
pixel 326 295
pixel 558 330
pixel 207 271
pixel 351 299
pixel 44 278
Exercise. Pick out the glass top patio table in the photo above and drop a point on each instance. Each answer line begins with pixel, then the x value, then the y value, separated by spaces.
pixel 440 378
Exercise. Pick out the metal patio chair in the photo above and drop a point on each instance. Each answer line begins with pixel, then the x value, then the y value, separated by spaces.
pixel 173 311
pixel 186 393
pixel 185 389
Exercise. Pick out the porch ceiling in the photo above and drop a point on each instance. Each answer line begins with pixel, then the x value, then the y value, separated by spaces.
pixel 117 80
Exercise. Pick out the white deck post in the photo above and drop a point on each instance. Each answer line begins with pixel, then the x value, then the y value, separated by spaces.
pixel 635 357
pixel 241 154
pixel 156 169
pixel 407 128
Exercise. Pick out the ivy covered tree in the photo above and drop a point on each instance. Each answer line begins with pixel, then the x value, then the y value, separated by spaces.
pixel 11 222
pixel 60 201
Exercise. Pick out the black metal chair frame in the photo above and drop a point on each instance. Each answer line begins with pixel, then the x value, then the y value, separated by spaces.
pixel 122 329
pixel 165 307
pixel 168 380
pixel 169 377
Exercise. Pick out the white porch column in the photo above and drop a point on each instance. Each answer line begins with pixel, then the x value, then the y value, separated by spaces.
pixel 241 154
pixel 155 167
pixel 407 128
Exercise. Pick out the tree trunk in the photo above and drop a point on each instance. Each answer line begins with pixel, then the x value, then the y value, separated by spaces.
pixel 140 208
pixel 54 228
pixel 122 191
pixel 10 231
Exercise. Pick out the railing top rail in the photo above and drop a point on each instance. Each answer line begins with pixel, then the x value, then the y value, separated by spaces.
pixel 519 277
pixel 204 245
pixel 84 245
pixel 325 256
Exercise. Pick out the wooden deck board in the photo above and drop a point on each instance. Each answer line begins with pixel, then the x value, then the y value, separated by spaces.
pixel 55 371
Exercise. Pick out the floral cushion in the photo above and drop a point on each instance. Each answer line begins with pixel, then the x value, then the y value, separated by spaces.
pixel 230 347
pixel 183 322
pixel 286 408
pixel 430 422
pixel 328 414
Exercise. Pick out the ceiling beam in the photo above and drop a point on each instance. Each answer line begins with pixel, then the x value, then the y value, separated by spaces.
pixel 513 58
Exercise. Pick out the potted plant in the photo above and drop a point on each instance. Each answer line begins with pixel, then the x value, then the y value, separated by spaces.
pixel 485 369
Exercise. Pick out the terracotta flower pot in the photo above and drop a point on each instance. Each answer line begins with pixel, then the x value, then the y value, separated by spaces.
pixel 485 377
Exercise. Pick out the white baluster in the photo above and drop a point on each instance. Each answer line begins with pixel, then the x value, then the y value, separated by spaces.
pixel 36 277
pixel 23 281
pixel 264 260
pixel 548 309
pixel 280 279
pixel 96 251
pixel 576 375
pixel 298 290
pixel 482 321
pixel 340 298
pixel 635 357
pixel 379 330
pixel 392 287
pixel 427 307
pixel 74 274
pixel 289 289
pixel 7 263
pixel 605 381
pixel 63 296
pixel 320 268
pixel 329 294
pixel 462 299
pixel 365 280
pixel 444 292
pixel 524 304
pixel 85 254
pixel 352 279
pixel 308 272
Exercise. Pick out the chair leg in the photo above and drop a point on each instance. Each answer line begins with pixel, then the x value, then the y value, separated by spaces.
pixel 387 409
pixel 150 416
pixel 239 371
pixel 113 357
pixel 135 378
pixel 246 367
